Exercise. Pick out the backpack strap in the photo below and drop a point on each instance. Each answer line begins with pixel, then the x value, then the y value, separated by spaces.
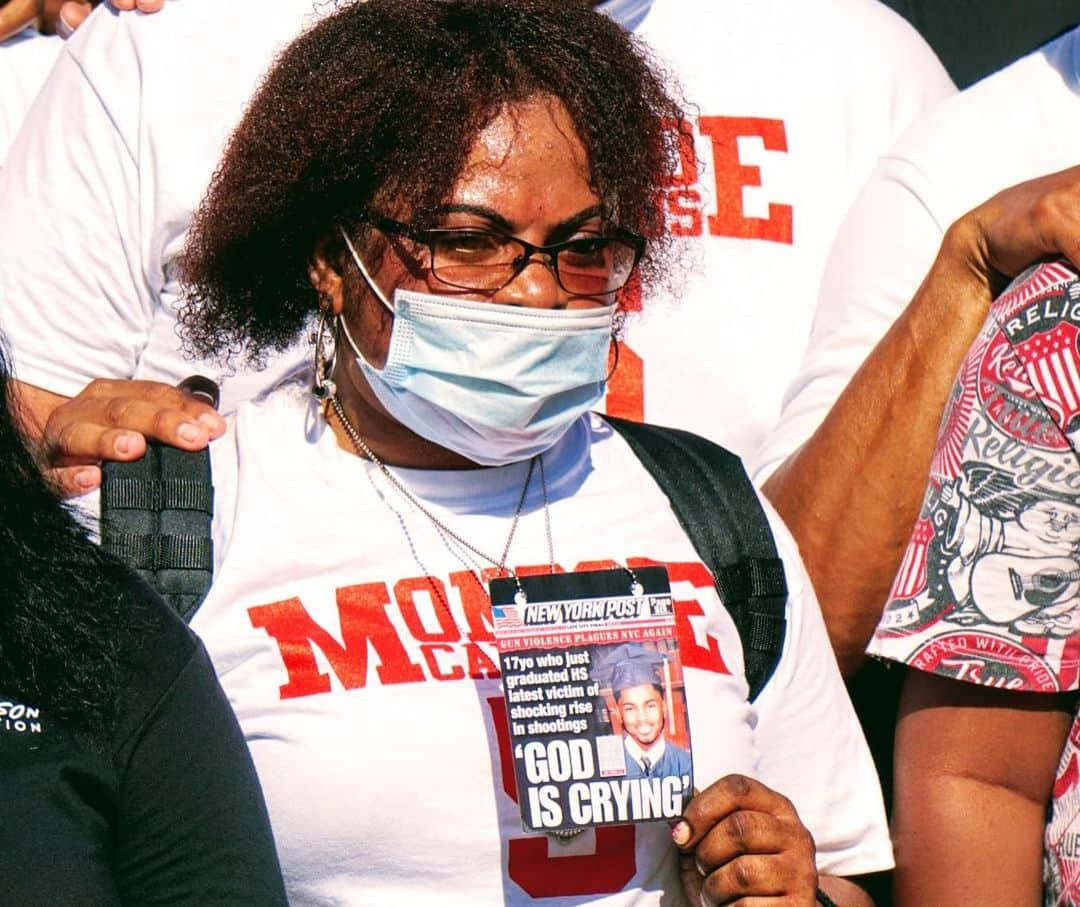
pixel 720 512
pixel 156 515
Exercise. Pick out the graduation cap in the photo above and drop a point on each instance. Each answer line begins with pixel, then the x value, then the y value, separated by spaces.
pixel 628 665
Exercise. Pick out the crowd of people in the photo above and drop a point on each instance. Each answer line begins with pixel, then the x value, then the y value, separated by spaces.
pixel 433 253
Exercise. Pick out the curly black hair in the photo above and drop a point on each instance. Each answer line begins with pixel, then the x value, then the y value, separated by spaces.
pixel 380 103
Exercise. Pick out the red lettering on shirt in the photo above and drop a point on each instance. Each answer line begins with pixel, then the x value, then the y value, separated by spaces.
pixel 626 370
pixel 405 589
pixel 435 668
pixel 479 665
pixel 530 863
pixel 703 654
pixel 477 605
pixel 732 176
pixel 683 202
pixel 626 386
pixel 364 623
pixel 441 653
pixel 684 212
pixel 688 162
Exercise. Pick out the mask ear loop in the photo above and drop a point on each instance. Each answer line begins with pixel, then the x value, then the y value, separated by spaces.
pixel 374 287
pixel 368 279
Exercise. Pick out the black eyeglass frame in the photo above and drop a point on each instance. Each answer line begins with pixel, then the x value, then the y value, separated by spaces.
pixel 393 227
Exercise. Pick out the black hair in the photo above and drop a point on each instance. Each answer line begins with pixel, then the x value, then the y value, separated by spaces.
pixel 63 599
pixel 379 104
pixel 655 686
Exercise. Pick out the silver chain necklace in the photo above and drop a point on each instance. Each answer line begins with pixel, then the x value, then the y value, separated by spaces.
pixel 445 531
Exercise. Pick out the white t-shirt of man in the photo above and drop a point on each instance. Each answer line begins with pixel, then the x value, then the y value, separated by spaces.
pixel 101 183
pixel 1019 123
pixel 799 97
pixel 25 60
pixel 794 103
pixel 357 651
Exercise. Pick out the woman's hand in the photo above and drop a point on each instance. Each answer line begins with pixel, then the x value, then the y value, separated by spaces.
pixel 743 840
pixel 113 420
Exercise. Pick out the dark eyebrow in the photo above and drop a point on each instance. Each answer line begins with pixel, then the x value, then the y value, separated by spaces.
pixel 497 220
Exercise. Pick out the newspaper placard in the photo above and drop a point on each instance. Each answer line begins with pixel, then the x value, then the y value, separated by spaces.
pixel 595 698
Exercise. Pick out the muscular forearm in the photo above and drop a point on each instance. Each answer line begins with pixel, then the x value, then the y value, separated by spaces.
pixel 852 493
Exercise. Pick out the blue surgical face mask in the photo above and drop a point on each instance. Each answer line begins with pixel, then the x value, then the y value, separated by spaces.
pixel 494 383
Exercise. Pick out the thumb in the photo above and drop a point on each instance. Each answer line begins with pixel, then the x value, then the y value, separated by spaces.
pixel 72 14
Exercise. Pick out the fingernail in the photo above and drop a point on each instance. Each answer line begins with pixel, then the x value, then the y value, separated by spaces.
pixel 123 444
pixel 211 421
pixel 189 432
pixel 86 478
pixel 64 28
pixel 680 834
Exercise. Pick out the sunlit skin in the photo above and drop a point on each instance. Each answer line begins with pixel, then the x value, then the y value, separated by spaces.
pixel 527 175
pixel 15 15
pixel 642 712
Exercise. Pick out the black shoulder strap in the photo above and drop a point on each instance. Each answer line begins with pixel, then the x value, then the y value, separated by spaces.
pixel 156 515
pixel 719 510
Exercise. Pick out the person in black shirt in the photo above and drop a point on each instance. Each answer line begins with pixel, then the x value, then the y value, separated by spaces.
pixel 974 38
pixel 126 778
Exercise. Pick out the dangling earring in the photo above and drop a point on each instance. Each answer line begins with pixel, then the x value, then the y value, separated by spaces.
pixel 323 386
pixel 618 325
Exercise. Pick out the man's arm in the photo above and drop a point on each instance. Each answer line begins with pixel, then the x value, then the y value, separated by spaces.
pixel 974 770
pixel 851 493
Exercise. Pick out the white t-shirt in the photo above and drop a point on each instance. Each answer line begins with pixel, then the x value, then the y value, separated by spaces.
pixel 803 95
pixel 1020 123
pixel 93 217
pixel 795 102
pixel 357 652
pixel 25 60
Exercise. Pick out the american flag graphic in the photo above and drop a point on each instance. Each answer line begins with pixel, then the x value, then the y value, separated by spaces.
pixel 1051 360
pixel 1067 779
pixel 507 617
pixel 911 578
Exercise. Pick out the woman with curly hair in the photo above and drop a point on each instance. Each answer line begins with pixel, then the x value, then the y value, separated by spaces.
pixel 460 197
pixel 126 778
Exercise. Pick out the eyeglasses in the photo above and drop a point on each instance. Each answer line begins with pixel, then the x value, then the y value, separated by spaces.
pixel 471 259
